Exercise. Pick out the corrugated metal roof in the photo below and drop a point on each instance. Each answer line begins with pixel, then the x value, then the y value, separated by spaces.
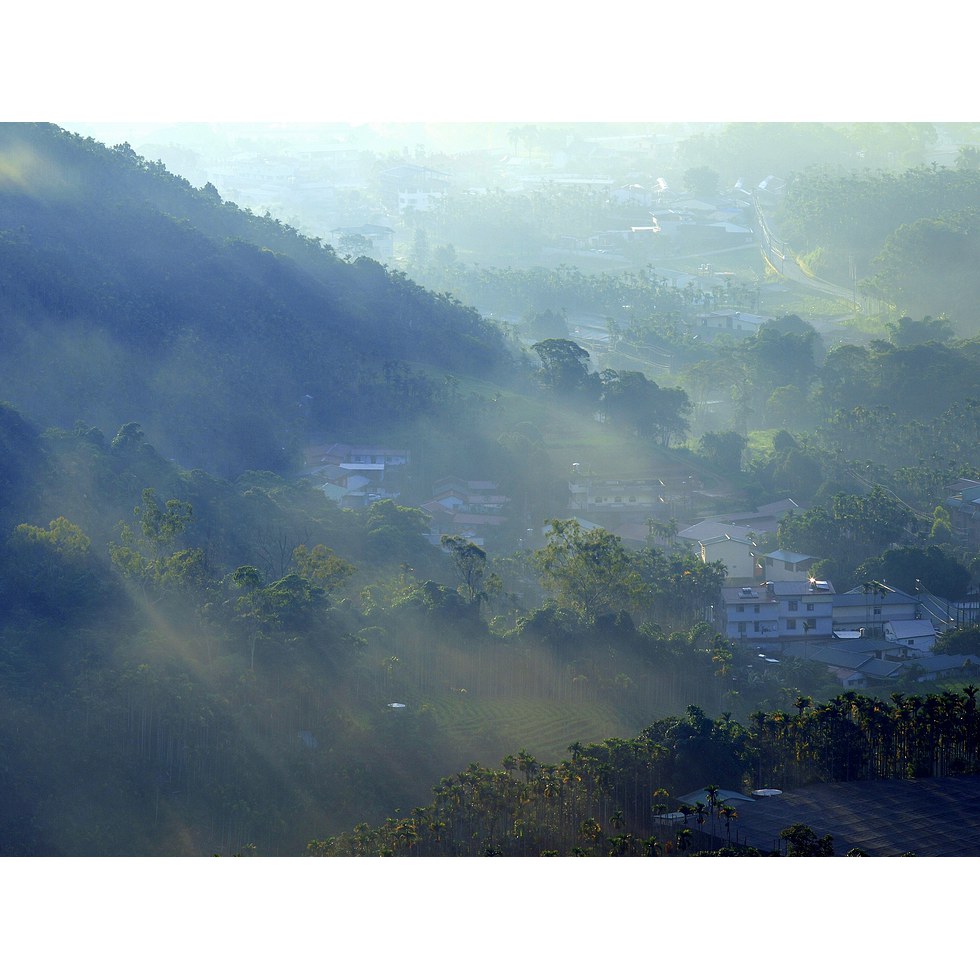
pixel 908 629
pixel 789 556
pixel 721 794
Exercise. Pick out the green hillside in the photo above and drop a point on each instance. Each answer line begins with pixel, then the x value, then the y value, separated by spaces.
pixel 126 294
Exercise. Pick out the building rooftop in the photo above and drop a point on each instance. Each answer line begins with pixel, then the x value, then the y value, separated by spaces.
pixel 858 597
pixel 909 629
pixel 701 796
pixel 885 818
pixel 807 588
pixel 791 557
pixel 718 538
pixel 866 646
pixel 704 530
pixel 745 593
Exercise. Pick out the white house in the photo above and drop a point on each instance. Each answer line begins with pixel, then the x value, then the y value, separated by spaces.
pixel 337 453
pixel 408 187
pixel 918 636
pixel 735 551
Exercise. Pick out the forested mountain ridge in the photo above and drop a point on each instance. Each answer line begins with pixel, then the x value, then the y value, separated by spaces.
pixel 127 294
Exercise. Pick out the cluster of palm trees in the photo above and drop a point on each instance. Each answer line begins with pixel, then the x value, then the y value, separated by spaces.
pixel 597 802
pixel 857 736
pixel 611 798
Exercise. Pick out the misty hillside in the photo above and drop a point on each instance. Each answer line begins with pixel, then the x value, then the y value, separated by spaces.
pixel 127 294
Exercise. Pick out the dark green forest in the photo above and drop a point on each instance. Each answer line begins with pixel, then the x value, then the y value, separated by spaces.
pixel 202 654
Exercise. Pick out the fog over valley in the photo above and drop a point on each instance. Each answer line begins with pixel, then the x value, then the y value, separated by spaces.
pixel 509 432
pixel 483 489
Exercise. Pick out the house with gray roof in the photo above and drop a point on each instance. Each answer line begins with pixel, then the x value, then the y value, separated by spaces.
pixel 856 663
pixel 764 519
pixel 916 636
pixel 734 550
pixel 731 323
pixel 787 565
pixel 868 609
pixel 862 663
pixel 704 530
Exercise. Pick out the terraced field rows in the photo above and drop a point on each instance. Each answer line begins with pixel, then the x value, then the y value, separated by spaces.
pixel 544 727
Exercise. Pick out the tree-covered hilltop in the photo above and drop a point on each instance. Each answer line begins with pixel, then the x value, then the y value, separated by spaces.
pixel 126 293
pixel 909 237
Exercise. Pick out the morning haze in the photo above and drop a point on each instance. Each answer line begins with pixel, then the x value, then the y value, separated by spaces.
pixel 488 489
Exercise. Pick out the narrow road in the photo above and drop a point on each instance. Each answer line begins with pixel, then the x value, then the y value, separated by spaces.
pixel 781 257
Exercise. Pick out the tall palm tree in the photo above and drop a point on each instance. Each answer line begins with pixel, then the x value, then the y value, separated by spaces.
pixel 699 811
pixel 729 813
pixel 527 764
pixel 711 794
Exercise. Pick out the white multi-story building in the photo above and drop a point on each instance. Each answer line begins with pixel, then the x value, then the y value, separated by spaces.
pixel 778 611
